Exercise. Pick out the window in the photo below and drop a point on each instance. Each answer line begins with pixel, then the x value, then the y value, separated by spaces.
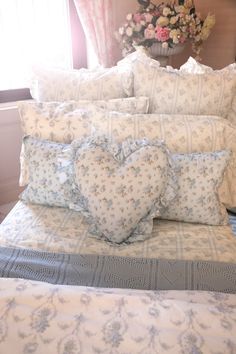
pixel 37 32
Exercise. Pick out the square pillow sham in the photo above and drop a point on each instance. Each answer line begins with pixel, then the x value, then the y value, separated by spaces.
pixel 199 178
pixel 45 177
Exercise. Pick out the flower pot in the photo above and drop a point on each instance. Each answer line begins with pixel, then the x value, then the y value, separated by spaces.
pixel 161 54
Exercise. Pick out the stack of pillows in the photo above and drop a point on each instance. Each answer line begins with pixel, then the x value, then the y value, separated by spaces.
pixel 127 144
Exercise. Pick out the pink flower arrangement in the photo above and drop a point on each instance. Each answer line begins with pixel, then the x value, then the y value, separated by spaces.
pixel 168 23
pixel 162 33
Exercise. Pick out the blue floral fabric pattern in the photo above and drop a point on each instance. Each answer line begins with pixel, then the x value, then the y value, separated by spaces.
pixel 45 178
pixel 44 318
pixel 177 92
pixel 122 187
pixel 199 178
pixel 63 85
pixel 62 230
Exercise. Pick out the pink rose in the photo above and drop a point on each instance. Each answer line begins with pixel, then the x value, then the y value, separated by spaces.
pixel 138 18
pixel 148 17
pixel 149 32
pixel 162 33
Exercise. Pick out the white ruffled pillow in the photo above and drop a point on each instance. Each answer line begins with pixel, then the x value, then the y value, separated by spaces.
pixel 182 133
pixel 199 179
pixel 64 85
pixel 44 176
pixel 178 92
pixel 122 187
pixel 192 66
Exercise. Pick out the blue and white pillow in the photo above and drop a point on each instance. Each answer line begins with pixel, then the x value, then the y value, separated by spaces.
pixel 46 175
pixel 122 187
pixel 199 178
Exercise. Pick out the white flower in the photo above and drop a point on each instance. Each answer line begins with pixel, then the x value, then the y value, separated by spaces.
pixel 173 20
pixel 148 17
pixel 129 17
pixel 129 31
pixel 162 21
pixel 121 31
pixel 175 40
pixel 189 3
pixel 166 11
pixel 138 27
pixel 164 45
pixel 175 34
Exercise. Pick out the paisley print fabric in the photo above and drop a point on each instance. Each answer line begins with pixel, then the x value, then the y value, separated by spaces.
pixel 178 92
pixel 44 177
pixel 64 85
pixel 54 229
pixel 122 187
pixel 199 178
pixel 39 317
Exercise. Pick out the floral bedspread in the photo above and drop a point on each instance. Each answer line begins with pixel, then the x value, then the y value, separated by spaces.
pixel 60 230
pixel 39 317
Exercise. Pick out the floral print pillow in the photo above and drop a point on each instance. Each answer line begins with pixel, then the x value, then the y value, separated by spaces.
pixel 132 105
pixel 63 85
pixel 199 177
pixel 122 187
pixel 192 66
pixel 45 178
pixel 63 122
pixel 178 92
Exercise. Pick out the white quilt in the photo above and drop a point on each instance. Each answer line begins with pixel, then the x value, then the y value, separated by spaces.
pixel 43 318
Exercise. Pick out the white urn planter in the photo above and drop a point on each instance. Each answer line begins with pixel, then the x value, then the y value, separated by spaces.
pixel 161 54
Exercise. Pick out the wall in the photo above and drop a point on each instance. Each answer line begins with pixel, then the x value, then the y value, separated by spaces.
pixel 220 48
pixel 10 143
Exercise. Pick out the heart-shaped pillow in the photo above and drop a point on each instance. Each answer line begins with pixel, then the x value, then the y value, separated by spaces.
pixel 122 187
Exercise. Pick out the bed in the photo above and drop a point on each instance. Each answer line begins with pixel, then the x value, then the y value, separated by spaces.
pixel 66 289
pixel 61 230
pixel 37 315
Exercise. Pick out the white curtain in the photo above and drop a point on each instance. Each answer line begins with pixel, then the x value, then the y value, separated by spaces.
pixel 96 17
pixel 32 32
